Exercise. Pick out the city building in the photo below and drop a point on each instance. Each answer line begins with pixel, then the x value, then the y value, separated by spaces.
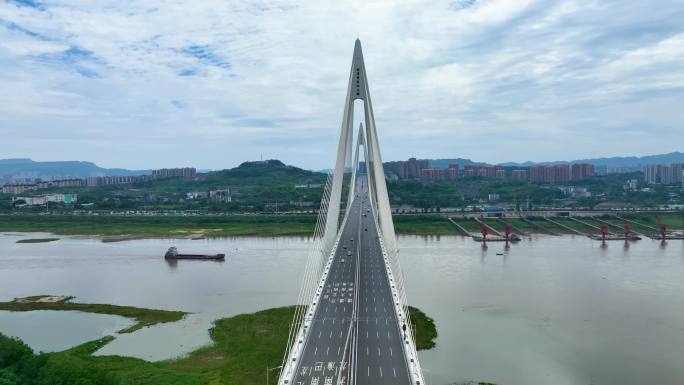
pixel 582 170
pixel 561 173
pixel 18 188
pixel 406 169
pixel 664 173
pixel 220 196
pixel 677 172
pixel 630 185
pixel 469 170
pixel 44 199
pixel 519 174
pixel 196 195
pixel 557 173
pixel 537 174
pixel 483 171
pixel 185 172
pixel 452 171
pixel 432 174
pixel 575 192
pixel 651 173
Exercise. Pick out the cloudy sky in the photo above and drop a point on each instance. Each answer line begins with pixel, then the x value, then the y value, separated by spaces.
pixel 153 83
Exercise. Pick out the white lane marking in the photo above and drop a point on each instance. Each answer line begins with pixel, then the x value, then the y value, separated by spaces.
pixel 380 371
pixel 394 371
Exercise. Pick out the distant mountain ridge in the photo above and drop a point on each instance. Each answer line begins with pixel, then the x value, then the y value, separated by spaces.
pixel 444 163
pixel 617 161
pixel 22 169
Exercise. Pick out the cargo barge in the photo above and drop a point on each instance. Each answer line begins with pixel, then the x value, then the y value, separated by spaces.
pixel 172 253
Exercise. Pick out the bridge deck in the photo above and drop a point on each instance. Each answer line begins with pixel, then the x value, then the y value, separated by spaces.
pixel 356 305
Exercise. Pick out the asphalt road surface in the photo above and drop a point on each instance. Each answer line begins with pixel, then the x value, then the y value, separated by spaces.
pixel 355 316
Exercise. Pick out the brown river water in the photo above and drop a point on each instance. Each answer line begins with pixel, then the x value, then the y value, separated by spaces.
pixel 550 310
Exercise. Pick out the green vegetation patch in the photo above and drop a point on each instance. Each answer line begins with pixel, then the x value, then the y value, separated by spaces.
pixel 425 329
pixel 423 225
pixel 243 347
pixel 495 223
pixel 114 228
pixel 37 240
pixel 162 226
pixel 469 224
pixel 548 226
pixel 521 225
pixel 144 317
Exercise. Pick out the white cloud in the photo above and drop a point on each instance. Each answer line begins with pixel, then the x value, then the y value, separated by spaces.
pixel 220 82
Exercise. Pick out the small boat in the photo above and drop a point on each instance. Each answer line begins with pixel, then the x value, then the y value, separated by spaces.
pixel 172 253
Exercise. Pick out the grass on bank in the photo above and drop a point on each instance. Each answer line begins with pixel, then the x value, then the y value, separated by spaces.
pixel 210 226
pixel 119 228
pixel 37 240
pixel 425 329
pixel 517 223
pixel 143 317
pixel 243 347
pixel 160 226
pixel 423 225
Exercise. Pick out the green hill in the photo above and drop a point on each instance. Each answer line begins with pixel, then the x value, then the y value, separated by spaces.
pixel 262 185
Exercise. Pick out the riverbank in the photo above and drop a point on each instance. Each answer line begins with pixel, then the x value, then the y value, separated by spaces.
pixel 242 348
pixel 143 317
pixel 118 228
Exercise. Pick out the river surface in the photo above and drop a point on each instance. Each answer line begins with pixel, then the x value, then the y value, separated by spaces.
pixel 550 310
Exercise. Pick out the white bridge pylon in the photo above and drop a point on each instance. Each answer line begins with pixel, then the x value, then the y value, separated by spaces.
pixel 357 89
pixel 330 223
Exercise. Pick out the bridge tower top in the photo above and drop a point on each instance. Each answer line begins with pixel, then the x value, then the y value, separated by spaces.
pixel 358 89
pixel 358 76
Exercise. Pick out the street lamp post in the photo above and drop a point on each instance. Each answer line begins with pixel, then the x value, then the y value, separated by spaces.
pixel 268 370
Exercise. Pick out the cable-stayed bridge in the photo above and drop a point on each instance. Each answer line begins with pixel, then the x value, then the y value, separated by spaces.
pixel 353 326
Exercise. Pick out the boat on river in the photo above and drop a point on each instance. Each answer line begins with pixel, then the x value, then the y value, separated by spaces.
pixel 172 253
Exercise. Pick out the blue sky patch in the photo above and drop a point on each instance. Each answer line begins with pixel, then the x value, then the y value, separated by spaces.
pixel 187 72
pixel 205 55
